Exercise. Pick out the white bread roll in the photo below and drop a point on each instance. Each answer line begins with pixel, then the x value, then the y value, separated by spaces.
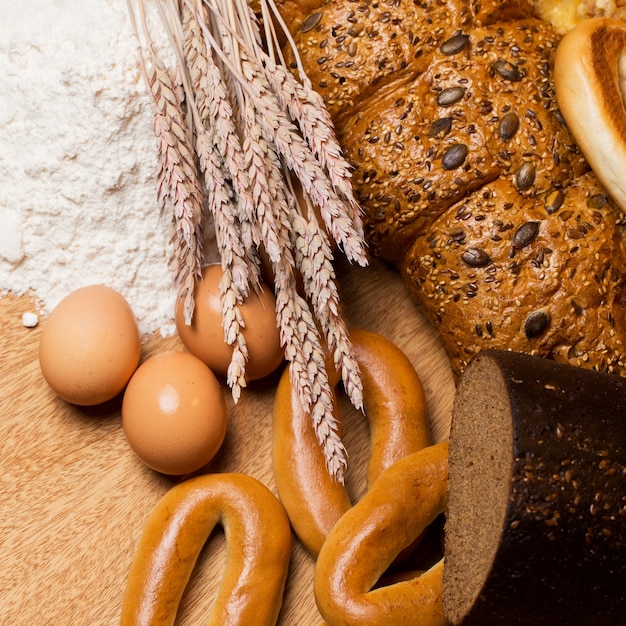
pixel 590 82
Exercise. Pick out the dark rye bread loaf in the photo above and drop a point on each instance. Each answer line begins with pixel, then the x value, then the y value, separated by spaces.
pixel 470 181
pixel 536 518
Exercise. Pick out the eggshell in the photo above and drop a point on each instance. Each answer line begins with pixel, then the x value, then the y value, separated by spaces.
pixel 174 413
pixel 90 345
pixel 204 337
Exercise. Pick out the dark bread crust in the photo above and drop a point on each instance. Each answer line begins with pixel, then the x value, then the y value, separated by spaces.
pixel 557 551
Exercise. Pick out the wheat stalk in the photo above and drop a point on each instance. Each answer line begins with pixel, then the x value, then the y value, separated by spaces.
pixel 339 217
pixel 307 108
pixel 308 372
pixel 314 258
pixel 248 126
pixel 227 185
pixel 177 178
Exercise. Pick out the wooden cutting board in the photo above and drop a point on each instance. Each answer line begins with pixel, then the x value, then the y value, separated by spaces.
pixel 74 498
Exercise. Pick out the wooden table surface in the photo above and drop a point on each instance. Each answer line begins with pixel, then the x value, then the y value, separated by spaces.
pixel 74 497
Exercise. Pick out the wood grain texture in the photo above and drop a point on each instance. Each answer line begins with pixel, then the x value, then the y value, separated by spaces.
pixel 74 498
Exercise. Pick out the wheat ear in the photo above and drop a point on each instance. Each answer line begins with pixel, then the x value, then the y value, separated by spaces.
pixel 177 178
pixel 239 122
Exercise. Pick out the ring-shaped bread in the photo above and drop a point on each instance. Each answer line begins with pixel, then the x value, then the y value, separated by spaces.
pixel 403 501
pixel 395 406
pixel 258 539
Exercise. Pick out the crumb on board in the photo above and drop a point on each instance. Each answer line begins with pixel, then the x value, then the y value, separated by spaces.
pixel 30 320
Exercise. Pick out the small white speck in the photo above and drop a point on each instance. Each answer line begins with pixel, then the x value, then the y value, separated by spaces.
pixel 30 320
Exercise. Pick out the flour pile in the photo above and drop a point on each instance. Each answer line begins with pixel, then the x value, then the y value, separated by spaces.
pixel 78 159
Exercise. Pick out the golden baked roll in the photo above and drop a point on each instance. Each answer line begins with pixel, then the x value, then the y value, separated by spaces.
pixel 589 81
pixel 485 111
pixel 542 275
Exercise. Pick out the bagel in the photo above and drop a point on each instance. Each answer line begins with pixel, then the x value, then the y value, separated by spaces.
pixel 399 506
pixel 395 405
pixel 590 82
pixel 258 537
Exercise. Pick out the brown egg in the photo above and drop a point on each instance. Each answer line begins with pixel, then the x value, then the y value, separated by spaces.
pixel 204 337
pixel 90 345
pixel 174 413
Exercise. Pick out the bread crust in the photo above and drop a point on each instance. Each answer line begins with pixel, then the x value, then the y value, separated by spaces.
pixel 429 119
pixel 565 14
pixel 542 275
pixel 352 51
pixel 505 122
pixel 548 440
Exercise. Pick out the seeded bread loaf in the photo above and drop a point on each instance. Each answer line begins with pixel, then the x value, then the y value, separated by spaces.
pixel 536 516
pixel 353 50
pixel 476 114
pixel 541 275
pixel 470 180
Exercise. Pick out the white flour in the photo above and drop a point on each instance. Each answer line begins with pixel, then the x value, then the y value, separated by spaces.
pixel 78 159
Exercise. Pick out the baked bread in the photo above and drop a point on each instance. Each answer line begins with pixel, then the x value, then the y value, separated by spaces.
pixel 483 113
pixel 537 475
pixel 589 83
pixel 352 51
pixel 471 182
pixel 565 14
pixel 541 275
